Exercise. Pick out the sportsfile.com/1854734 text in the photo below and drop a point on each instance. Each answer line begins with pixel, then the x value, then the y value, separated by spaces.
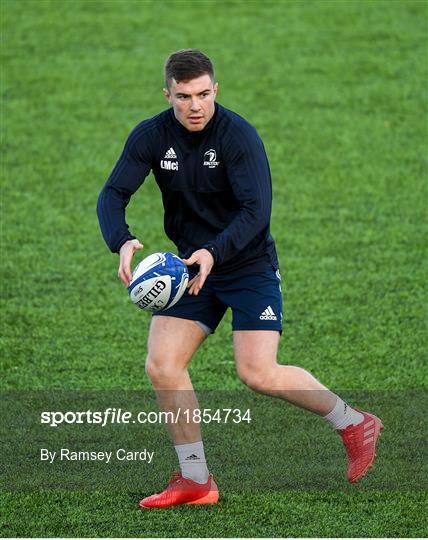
pixel 111 416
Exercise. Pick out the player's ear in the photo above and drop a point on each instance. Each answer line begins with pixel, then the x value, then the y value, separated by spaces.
pixel 215 88
pixel 167 94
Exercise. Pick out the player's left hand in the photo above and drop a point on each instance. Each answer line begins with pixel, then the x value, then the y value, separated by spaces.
pixel 206 261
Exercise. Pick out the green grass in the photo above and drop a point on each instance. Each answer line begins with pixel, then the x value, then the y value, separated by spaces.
pixel 337 90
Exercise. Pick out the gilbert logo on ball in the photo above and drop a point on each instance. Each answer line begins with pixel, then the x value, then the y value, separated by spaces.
pixel 158 282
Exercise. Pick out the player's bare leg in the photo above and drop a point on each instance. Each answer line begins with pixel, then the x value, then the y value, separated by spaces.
pixel 256 364
pixel 172 343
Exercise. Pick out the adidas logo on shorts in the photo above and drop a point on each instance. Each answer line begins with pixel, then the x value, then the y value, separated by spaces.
pixel 268 315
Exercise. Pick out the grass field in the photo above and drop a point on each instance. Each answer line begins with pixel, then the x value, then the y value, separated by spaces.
pixel 337 90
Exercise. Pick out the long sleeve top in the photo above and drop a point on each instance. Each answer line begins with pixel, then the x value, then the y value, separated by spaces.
pixel 215 185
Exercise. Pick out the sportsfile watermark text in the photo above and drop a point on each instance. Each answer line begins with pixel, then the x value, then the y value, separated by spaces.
pixel 113 416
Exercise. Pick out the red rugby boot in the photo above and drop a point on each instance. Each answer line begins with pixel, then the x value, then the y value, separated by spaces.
pixel 360 443
pixel 183 491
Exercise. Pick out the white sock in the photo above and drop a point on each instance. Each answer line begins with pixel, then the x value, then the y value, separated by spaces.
pixel 192 461
pixel 343 415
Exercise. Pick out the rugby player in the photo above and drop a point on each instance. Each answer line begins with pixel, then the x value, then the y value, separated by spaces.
pixel 213 174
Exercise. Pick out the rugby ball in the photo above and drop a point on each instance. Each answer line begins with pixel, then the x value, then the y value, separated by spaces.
pixel 158 282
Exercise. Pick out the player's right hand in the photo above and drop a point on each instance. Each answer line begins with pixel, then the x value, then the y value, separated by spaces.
pixel 126 254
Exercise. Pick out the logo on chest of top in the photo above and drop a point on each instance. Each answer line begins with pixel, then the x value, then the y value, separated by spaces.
pixel 166 162
pixel 210 159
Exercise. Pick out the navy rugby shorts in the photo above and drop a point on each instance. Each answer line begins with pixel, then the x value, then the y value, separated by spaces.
pixel 255 300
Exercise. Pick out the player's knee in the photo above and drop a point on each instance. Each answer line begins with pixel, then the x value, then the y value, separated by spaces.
pixel 254 378
pixel 160 371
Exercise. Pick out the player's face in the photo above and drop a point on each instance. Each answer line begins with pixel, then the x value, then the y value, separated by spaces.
pixel 193 101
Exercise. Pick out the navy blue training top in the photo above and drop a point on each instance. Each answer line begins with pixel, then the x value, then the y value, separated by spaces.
pixel 215 184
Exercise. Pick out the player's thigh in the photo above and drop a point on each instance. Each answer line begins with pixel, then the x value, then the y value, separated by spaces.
pixel 204 308
pixel 173 341
pixel 255 353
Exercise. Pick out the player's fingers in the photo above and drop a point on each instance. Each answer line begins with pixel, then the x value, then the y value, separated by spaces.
pixel 191 282
pixel 202 278
pixel 191 260
pixel 204 270
pixel 122 276
pixel 128 276
pixel 125 273
pixel 197 289
pixel 194 289
pixel 191 287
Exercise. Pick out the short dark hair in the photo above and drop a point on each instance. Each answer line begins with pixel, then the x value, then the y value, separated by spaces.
pixel 187 64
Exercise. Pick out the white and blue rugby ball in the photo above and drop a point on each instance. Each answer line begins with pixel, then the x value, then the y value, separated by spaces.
pixel 158 282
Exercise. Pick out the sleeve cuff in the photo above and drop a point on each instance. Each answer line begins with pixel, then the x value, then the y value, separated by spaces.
pixel 213 250
pixel 120 244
